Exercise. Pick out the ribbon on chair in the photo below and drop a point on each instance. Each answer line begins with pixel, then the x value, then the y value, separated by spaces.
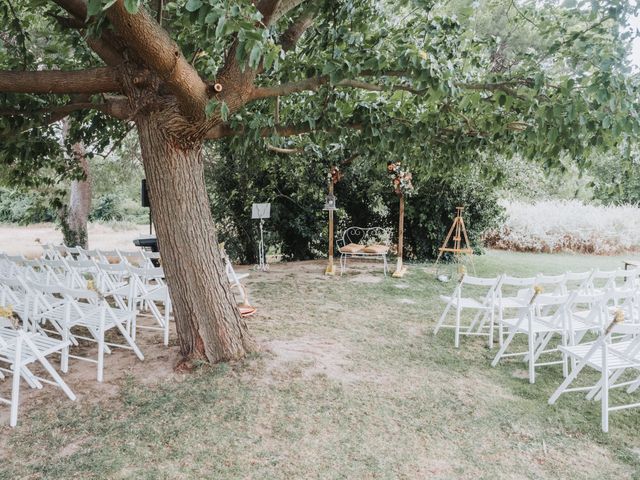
pixel 618 318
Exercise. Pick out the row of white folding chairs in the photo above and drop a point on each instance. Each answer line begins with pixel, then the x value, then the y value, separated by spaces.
pixel 614 352
pixel 138 258
pixel 63 309
pixel 20 348
pixel 130 287
pixel 142 258
pixel 503 291
pixel 568 316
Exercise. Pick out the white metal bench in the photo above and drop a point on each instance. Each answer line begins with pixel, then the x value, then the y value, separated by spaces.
pixel 369 243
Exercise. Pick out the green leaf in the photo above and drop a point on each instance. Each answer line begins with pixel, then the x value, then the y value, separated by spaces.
pixel 254 56
pixel 211 107
pixel 220 28
pixel 94 7
pixel 224 111
pixel 132 5
pixel 193 5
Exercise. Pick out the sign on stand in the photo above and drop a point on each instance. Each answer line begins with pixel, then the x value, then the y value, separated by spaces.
pixel 260 211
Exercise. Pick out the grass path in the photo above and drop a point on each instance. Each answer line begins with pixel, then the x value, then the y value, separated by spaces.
pixel 351 384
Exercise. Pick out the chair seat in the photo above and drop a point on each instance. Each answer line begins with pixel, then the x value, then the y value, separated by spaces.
pixel 513 302
pixel 537 326
pixel 122 290
pixel 158 294
pixel 89 315
pixel 614 359
pixel 465 302
pixel 45 345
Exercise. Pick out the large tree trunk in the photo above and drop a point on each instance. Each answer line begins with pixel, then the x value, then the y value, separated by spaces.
pixel 208 322
pixel 79 203
pixel 75 216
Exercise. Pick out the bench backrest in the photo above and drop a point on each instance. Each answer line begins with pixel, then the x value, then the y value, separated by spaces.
pixel 365 236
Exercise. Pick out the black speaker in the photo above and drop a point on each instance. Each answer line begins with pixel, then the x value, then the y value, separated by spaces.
pixel 144 195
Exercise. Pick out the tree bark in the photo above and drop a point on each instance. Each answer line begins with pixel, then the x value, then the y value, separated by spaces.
pixel 75 215
pixel 79 202
pixel 208 322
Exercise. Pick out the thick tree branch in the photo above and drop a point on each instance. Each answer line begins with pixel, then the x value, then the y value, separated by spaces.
pixel 285 6
pixel 289 151
pixel 222 131
pixel 274 10
pixel 95 80
pixel 313 83
pixel 78 10
pixel 153 44
pixel 117 107
pixel 291 35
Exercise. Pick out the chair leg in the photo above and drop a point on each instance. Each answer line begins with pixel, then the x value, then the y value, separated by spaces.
pixel 604 401
pixel 569 380
pixel 457 337
pixel 15 384
pixel 50 370
pixel 442 317
pixel 130 341
pixel 503 348
pixel 532 358
pixel 101 348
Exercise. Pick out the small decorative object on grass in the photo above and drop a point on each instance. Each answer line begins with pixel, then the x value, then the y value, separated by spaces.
pixel 401 181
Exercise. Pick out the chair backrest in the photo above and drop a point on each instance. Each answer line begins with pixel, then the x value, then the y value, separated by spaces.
pixel 602 279
pixel 550 299
pixel 552 283
pixel 628 278
pixel 508 280
pixel 480 281
pixel 578 280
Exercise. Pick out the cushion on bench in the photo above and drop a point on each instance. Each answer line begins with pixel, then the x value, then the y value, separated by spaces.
pixel 380 249
pixel 352 248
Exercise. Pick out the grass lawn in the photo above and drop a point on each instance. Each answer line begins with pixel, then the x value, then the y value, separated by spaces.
pixel 351 383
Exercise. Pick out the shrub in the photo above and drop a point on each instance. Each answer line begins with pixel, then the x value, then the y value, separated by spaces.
pixel 107 207
pixel 296 186
pixel 567 225
pixel 24 207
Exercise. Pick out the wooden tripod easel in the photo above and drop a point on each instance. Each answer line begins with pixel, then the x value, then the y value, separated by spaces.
pixel 459 233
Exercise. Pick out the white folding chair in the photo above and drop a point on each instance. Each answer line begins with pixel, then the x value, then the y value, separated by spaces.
pixel 539 328
pixel 481 300
pixel 18 350
pixel 152 291
pixel 608 355
pixel 86 308
pixel 512 293
pixel 234 278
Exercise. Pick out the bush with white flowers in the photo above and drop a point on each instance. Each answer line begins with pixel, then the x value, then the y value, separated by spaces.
pixel 567 225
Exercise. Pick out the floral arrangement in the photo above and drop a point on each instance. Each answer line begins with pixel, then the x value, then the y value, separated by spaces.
pixel 400 179
pixel 335 175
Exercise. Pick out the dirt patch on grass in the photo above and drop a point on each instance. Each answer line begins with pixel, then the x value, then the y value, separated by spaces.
pixel 364 278
pixel 311 356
